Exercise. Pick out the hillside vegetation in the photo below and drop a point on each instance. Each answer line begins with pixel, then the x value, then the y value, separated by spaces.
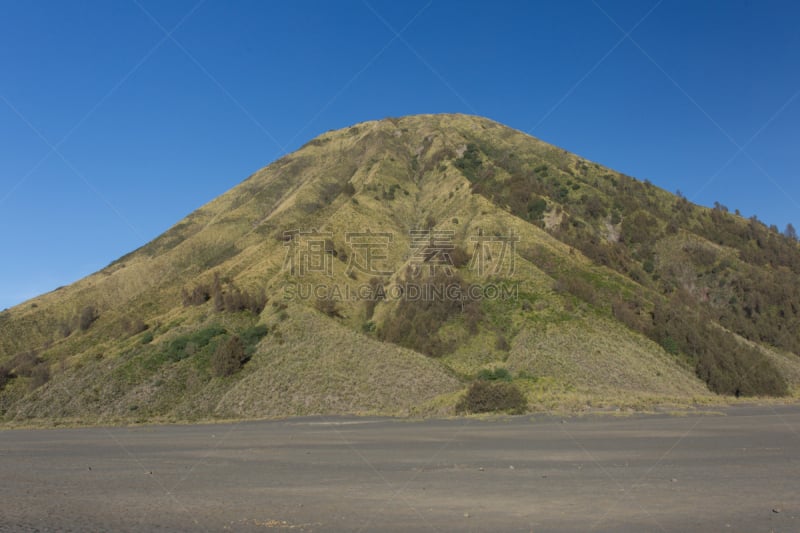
pixel 294 293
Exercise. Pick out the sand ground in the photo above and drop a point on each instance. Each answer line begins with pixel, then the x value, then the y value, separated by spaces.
pixel 735 471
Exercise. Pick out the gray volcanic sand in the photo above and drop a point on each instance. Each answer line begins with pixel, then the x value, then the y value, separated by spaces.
pixel 737 472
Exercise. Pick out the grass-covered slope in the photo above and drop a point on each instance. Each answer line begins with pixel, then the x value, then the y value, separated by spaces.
pixel 620 292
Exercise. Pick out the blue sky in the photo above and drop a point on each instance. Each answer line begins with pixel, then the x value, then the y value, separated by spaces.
pixel 120 117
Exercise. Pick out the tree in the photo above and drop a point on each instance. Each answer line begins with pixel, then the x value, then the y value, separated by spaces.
pixel 790 232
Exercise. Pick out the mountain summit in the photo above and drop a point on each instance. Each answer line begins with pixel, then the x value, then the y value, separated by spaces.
pixel 416 266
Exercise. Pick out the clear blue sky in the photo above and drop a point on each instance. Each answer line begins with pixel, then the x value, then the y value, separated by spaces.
pixel 112 128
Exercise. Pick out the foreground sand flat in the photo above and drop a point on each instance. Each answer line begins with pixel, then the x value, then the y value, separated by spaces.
pixel 735 471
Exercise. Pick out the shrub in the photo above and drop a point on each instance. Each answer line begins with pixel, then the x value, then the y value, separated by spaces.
pixel 234 300
pixel 40 376
pixel 28 365
pixel 726 364
pixel 594 207
pixel 64 329
pixel 670 346
pixel 252 336
pixel 536 208
pixel 486 396
pixel 229 357
pixel 327 306
pixel 473 315
pixel 470 163
pixel 5 376
pixel 626 312
pixel 459 257
pixel 416 322
pixel 88 316
pixel 231 299
pixel 737 369
pixel 197 296
pixel 25 363
pixel 639 228
pixel 494 374
pixel 133 326
pixel 579 288
pixel 501 343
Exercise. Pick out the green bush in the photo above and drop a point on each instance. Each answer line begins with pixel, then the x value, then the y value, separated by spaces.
pixel 252 336
pixel 470 162
pixel 726 364
pixel 485 396
pixel 494 374
pixel 670 346
pixel 536 208
pixel 186 345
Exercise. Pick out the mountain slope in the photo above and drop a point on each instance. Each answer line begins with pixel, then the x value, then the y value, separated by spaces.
pixel 618 292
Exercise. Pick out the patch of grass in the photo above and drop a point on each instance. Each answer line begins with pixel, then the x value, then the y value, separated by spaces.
pixel 183 345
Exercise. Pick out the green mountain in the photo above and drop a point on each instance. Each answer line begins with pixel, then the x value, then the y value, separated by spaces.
pixel 391 266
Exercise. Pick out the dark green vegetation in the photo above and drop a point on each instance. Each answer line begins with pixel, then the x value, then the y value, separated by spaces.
pixel 701 274
pixel 620 293
pixel 492 391
pixel 485 396
pixel 417 324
